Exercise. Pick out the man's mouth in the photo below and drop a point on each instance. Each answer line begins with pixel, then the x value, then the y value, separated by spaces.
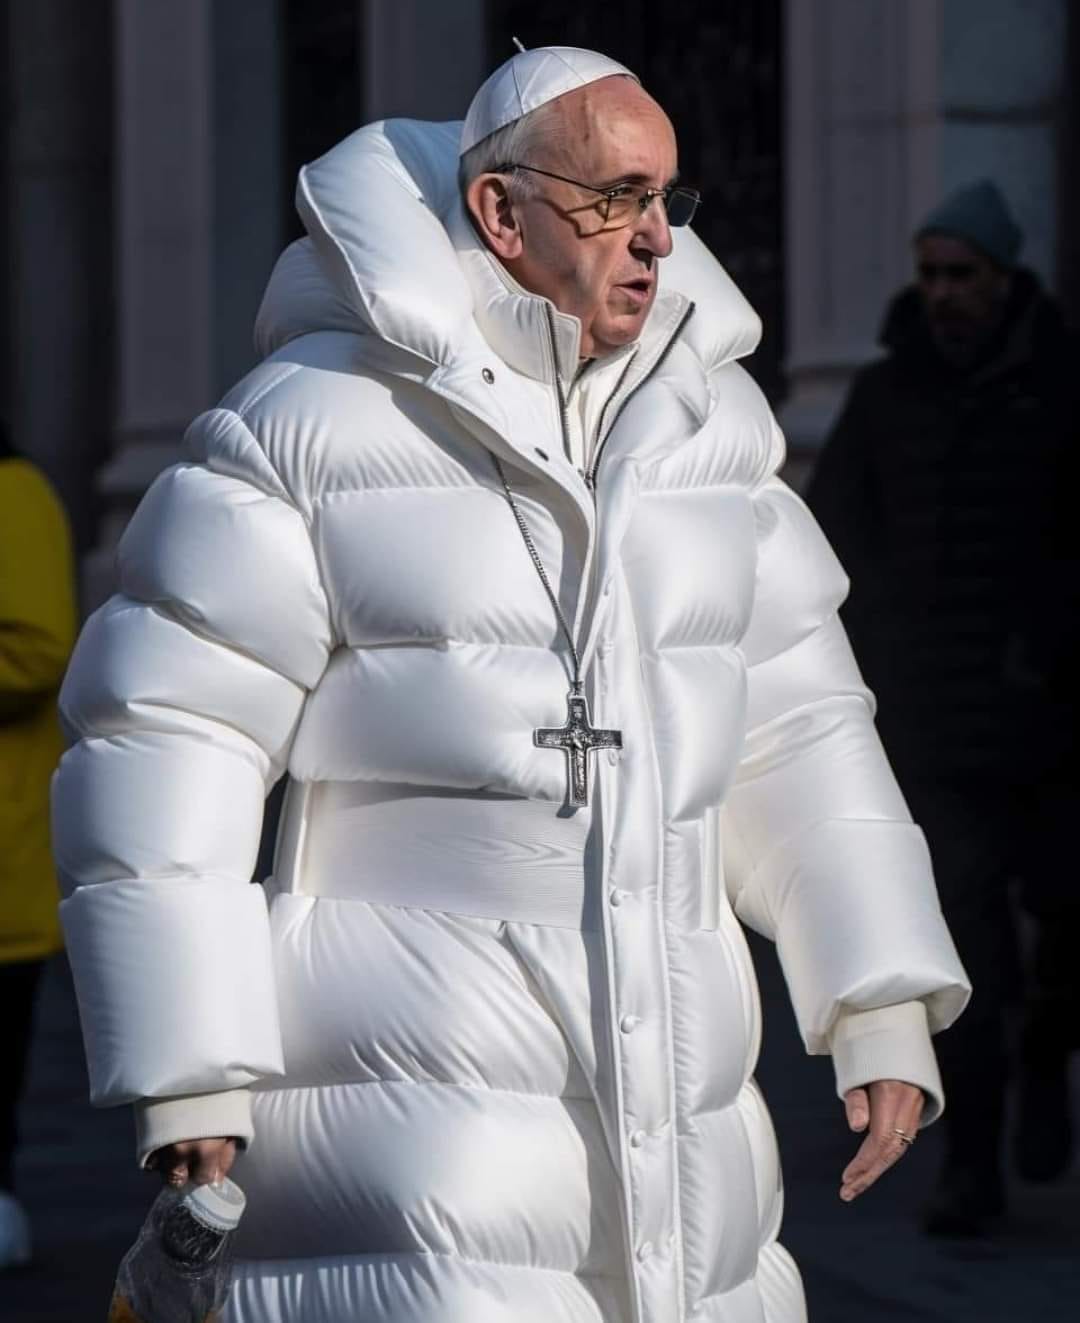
pixel 951 325
pixel 639 290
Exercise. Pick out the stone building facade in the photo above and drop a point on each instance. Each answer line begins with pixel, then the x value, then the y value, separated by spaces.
pixel 150 149
pixel 890 106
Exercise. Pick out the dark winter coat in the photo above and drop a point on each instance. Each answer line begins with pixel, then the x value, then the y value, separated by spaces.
pixel 947 495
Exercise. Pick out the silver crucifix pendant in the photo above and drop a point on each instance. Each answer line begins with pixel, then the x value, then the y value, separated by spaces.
pixel 577 739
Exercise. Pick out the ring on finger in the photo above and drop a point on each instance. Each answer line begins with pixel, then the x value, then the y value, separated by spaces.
pixel 905 1139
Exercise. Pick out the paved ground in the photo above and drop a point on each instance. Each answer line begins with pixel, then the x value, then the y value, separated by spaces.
pixel 862 1264
pixel 867 1262
pixel 76 1175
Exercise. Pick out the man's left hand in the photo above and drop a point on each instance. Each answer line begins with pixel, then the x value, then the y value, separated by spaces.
pixel 889 1112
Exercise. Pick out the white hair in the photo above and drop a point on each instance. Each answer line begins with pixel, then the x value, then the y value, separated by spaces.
pixel 515 143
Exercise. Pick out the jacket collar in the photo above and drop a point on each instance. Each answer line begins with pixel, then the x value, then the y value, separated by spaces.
pixel 522 328
pixel 384 216
pixel 519 326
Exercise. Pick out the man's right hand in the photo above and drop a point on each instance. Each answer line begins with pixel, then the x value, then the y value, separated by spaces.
pixel 201 1161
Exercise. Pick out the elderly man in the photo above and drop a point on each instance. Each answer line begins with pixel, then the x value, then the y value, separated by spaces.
pixel 489 554
pixel 947 487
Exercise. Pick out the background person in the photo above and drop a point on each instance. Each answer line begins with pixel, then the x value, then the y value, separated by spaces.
pixel 37 631
pixel 945 488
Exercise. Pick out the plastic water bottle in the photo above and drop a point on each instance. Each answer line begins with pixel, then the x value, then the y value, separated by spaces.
pixel 179 1267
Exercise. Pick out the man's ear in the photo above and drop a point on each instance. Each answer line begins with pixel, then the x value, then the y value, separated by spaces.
pixel 493 215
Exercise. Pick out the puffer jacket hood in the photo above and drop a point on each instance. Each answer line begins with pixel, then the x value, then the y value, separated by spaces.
pixel 386 228
pixel 496 1051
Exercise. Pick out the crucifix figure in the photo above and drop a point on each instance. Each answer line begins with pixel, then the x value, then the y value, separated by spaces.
pixel 577 739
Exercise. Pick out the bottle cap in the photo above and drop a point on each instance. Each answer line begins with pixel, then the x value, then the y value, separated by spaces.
pixel 217 1206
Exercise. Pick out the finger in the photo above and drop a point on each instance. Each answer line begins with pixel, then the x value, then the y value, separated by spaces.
pixel 903 1126
pixel 170 1163
pixel 874 1158
pixel 227 1158
pixel 912 1112
pixel 861 1164
pixel 892 1103
pixel 174 1172
pixel 207 1164
pixel 897 1110
pixel 857 1109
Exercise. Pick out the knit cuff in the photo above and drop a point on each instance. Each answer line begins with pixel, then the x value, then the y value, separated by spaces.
pixel 161 1121
pixel 890 1043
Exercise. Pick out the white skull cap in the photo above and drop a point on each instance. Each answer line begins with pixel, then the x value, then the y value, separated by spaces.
pixel 529 80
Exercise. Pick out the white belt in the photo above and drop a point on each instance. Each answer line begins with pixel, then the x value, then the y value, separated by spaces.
pixel 457 852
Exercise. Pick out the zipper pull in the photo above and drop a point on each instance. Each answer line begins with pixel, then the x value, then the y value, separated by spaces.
pixel 590 479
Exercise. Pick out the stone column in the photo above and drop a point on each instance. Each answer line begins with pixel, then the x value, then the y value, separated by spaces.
pixel 163 169
pixel 55 379
pixel 422 58
pixel 889 107
pixel 862 126
pixel 198 226
pixel 249 182
pixel 1003 68
pixel 163 219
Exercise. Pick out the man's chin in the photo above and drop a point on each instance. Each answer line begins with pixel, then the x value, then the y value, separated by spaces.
pixel 619 330
pixel 955 344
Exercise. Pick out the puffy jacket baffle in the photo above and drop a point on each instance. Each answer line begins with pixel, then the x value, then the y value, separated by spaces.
pixel 498 1056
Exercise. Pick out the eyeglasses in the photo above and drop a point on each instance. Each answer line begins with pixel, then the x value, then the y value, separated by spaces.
pixel 623 203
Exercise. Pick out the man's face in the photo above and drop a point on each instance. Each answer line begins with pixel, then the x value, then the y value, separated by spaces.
pixel 963 294
pixel 611 132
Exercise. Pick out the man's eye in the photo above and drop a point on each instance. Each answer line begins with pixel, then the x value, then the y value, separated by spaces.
pixel 619 192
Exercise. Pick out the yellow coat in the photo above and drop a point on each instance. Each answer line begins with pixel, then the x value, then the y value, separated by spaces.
pixel 37 630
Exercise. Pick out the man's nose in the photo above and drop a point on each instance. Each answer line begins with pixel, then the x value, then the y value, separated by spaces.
pixel 653 229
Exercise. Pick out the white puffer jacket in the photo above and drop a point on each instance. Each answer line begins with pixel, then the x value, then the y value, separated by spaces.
pixel 500 1053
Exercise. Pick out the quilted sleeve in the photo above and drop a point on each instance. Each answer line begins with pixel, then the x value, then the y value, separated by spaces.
pixel 182 698
pixel 820 851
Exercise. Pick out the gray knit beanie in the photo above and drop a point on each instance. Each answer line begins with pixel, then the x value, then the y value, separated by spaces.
pixel 978 214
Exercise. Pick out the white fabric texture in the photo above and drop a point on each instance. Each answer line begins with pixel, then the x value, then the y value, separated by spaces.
pixel 161 1121
pixel 501 1055
pixel 889 1043
pixel 528 81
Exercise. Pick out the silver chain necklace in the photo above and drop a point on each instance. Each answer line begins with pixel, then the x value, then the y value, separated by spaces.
pixel 578 737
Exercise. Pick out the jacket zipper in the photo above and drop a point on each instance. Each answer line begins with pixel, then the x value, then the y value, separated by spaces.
pixel 600 440
pixel 590 472
pixel 599 437
pixel 564 417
